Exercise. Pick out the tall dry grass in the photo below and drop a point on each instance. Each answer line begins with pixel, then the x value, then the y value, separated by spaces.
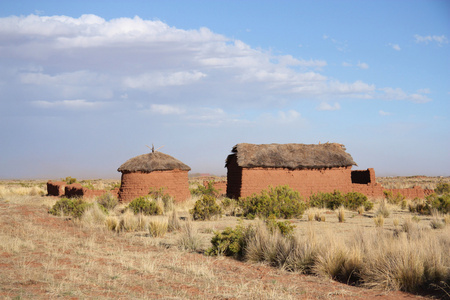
pixel 408 260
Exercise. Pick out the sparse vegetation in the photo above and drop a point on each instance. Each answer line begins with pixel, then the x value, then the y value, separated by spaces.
pixel 69 207
pixel 280 202
pixel 208 190
pixel 442 188
pixel 362 257
pixel 145 205
pixel 206 208
pixel 108 201
pixel 351 201
pixel 158 226
pixel 69 180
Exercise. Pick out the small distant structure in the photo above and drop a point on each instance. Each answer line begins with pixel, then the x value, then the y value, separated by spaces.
pixel 153 170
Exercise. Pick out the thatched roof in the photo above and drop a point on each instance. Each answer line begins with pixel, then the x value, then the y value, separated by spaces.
pixel 291 156
pixel 154 161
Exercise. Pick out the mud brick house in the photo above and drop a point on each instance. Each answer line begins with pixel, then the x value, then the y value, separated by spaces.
pixel 153 170
pixel 306 168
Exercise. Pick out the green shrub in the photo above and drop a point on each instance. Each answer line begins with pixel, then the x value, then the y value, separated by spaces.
pixel 442 188
pixel 229 206
pixel 87 184
pixel 143 205
pixel 209 190
pixel 281 202
pixel 327 200
pixel 205 208
pixel 440 202
pixel 69 180
pixel 230 242
pixel 353 200
pixel 107 201
pixel 69 207
pixel 160 194
pixel 285 227
pixel 390 198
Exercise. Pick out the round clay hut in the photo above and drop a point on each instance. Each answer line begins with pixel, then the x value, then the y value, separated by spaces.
pixel 153 171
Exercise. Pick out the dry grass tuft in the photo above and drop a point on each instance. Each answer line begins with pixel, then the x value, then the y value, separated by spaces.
pixel 341 214
pixel 93 216
pixel 174 221
pixel 190 239
pixel 157 226
pixel 379 220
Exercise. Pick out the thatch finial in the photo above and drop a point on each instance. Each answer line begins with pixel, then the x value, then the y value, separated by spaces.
pixel 153 148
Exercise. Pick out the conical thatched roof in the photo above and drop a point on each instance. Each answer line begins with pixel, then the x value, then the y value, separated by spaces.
pixel 291 156
pixel 154 161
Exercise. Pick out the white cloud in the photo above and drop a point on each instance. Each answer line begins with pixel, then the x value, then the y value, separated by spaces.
pixel 165 109
pixel 131 60
pixel 67 104
pixel 346 64
pixel 384 113
pixel 359 65
pixel 280 117
pixel 399 94
pixel 288 116
pixel 363 65
pixel 395 47
pixel 328 107
pixel 442 39
pixel 150 81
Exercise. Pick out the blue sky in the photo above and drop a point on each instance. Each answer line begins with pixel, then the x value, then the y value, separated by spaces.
pixel 86 85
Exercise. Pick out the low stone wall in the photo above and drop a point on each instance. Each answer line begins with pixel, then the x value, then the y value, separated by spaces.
pixel 55 188
pixel 62 189
pixel 220 186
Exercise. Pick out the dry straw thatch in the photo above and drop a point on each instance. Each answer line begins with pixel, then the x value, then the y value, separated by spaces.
pixel 154 161
pixel 291 156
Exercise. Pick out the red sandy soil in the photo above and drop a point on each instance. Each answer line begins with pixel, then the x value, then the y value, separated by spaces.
pixel 22 272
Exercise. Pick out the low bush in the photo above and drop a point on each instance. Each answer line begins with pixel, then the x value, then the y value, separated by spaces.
pixel 442 188
pixel 229 206
pixel 439 202
pixel 284 227
pixel 205 208
pixel 352 200
pixel 280 201
pixel 144 205
pixel 208 190
pixel 69 180
pixel 69 207
pixel 390 198
pixel 160 196
pixel 327 200
pixel 108 201
pixel 230 242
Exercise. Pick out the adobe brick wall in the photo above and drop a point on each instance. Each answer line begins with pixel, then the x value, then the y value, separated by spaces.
pixel 60 189
pixel 377 191
pixel 55 188
pixel 247 181
pixel 306 181
pixel 220 186
pixel 174 182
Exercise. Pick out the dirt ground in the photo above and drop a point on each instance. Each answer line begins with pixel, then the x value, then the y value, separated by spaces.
pixel 46 257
